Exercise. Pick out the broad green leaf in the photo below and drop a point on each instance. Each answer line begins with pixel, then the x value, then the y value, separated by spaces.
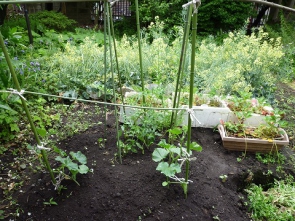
pixel 14 127
pixel 60 159
pixel 59 151
pixel 159 154
pixel 162 166
pixel 175 150
pixel 168 170
pixel 163 144
pixel 42 132
pixel 37 118
pixel 83 169
pixel 185 150
pixel 175 131
pixel 80 157
pixel 17 36
pixel 71 165
pixel 195 146
pixel 176 167
pixel 7 108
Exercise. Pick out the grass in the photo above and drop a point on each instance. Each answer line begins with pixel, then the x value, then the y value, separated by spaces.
pixel 275 204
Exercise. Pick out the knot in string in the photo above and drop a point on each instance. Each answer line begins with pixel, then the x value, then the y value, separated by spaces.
pixel 195 3
pixel 192 115
pixel 19 93
pixel 41 147
pixel 186 157
pixel 180 180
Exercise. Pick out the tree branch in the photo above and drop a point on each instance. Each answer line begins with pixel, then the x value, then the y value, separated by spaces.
pixel 271 4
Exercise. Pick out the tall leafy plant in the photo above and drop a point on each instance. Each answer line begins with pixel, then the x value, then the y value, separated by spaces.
pixel 25 107
pixel 241 63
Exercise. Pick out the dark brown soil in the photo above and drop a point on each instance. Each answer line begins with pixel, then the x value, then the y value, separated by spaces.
pixel 133 190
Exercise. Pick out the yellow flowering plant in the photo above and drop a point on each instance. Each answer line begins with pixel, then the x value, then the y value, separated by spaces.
pixel 241 63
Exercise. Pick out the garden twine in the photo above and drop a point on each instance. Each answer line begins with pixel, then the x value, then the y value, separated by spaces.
pixel 190 111
pixel 195 3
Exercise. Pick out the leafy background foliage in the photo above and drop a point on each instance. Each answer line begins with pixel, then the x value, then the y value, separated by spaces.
pixel 213 16
pixel 222 16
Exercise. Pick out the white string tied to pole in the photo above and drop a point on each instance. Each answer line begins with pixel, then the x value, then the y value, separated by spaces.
pixel 41 147
pixel 19 93
pixel 186 157
pixel 195 3
pixel 181 180
pixel 60 177
pixel 192 115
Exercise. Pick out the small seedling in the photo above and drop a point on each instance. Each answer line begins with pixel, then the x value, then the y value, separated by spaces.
pixel 101 142
pixel 50 202
pixel 216 217
pixel 223 178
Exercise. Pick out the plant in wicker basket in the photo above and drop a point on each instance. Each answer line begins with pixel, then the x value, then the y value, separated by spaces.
pixel 267 137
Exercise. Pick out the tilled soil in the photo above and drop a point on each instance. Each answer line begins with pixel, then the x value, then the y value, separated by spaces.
pixel 133 190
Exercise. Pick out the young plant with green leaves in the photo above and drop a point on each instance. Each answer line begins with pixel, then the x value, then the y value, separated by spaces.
pixel 74 163
pixel 140 130
pixel 170 158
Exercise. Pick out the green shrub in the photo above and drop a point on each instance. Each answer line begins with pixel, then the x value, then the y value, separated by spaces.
pixel 213 16
pixel 285 30
pixel 219 15
pixel 52 20
pixel 9 105
pixel 39 23
pixel 241 63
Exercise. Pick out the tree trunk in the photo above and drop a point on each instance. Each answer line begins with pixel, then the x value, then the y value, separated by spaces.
pixel 257 21
pixel 2 13
pixel 291 5
pixel 276 13
pixel 97 14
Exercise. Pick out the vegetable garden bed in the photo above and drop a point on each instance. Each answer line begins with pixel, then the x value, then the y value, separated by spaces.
pixel 133 190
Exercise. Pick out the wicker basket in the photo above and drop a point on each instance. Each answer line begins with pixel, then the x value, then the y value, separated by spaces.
pixel 251 144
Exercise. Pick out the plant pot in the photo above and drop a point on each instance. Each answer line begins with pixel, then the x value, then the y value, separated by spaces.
pixel 251 144
pixel 208 117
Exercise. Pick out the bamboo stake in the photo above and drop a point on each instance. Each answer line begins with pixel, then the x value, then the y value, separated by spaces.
pixel 116 56
pixel 112 71
pixel 105 68
pixel 24 104
pixel 191 94
pixel 180 67
pixel 140 52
